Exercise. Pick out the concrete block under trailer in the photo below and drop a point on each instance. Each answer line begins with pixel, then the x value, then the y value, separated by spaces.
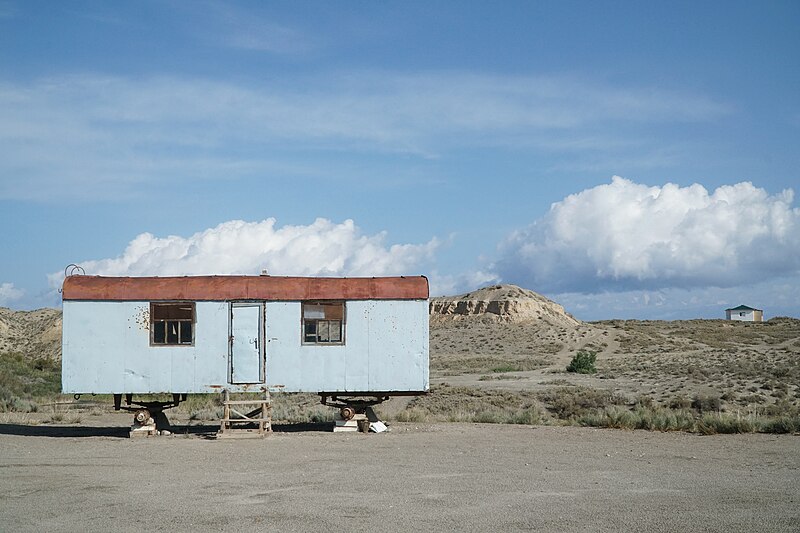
pixel 354 341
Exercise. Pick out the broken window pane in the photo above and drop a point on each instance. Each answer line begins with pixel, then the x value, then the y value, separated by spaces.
pixel 172 332
pixel 159 332
pixel 310 331
pixel 172 323
pixel 185 332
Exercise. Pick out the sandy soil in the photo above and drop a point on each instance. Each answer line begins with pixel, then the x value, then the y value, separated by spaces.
pixel 747 364
pixel 458 477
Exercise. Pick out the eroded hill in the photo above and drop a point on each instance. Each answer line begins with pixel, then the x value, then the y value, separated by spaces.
pixel 35 334
pixel 503 327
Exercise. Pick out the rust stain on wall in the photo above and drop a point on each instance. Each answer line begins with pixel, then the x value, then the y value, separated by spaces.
pixel 142 318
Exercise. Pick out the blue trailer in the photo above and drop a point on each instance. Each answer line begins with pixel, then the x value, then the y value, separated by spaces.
pixel 354 341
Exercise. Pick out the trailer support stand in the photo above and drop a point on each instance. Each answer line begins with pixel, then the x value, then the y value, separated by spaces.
pixel 245 418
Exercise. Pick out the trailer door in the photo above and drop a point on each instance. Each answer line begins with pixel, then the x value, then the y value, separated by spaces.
pixel 246 343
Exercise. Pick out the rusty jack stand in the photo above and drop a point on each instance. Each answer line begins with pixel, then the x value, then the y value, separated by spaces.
pixel 148 417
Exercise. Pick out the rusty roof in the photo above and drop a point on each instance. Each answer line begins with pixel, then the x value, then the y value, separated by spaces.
pixel 225 288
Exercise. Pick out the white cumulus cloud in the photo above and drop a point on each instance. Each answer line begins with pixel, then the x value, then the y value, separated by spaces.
pixel 625 235
pixel 9 293
pixel 322 248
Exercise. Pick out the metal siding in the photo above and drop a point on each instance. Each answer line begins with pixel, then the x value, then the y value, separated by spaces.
pixel 398 345
pixel 106 350
pixel 357 341
pixel 386 349
pixel 210 348
pixel 294 367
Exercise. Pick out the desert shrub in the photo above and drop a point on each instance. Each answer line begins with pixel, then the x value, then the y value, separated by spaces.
pixel 680 402
pixel 781 408
pixel 653 419
pixel 458 365
pixel 711 423
pixel 6 399
pixel 706 402
pixel 781 424
pixel 463 404
pixel 660 419
pixel 572 402
pixel 531 416
pixel 412 415
pixel 504 368
pixel 663 419
pixel 728 396
pixel 296 408
pixel 644 402
pixel 22 379
pixel 24 405
pixel 610 417
pixel 208 413
pixel 583 363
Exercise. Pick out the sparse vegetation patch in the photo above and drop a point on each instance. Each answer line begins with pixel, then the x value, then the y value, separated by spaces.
pixel 481 365
pixel 24 381
pixel 583 363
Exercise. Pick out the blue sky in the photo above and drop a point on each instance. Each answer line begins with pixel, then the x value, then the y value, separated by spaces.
pixel 627 159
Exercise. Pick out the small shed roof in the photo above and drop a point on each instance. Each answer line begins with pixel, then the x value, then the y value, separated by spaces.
pixel 224 288
pixel 743 308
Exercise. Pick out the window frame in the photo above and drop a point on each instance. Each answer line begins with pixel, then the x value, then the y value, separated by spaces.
pixel 304 320
pixel 166 321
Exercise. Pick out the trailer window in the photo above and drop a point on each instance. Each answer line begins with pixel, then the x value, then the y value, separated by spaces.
pixel 172 323
pixel 323 322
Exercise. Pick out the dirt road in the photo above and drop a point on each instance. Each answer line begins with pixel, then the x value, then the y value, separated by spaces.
pixel 456 477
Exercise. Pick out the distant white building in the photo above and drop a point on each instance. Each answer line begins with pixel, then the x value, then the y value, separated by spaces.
pixel 745 314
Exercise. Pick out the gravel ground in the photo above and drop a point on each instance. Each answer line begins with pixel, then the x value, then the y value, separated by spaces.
pixel 456 477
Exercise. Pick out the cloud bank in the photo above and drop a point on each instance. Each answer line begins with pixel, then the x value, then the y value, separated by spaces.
pixel 237 247
pixel 9 293
pixel 628 236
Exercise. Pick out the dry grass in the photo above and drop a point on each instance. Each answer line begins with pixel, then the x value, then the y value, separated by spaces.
pixel 744 364
pixel 696 375
pixel 463 404
pixel 587 407
pixel 481 364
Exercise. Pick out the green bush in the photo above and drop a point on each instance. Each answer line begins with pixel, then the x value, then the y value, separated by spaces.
pixel 583 363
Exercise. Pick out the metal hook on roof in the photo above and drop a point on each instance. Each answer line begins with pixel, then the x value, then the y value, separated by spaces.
pixel 73 270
